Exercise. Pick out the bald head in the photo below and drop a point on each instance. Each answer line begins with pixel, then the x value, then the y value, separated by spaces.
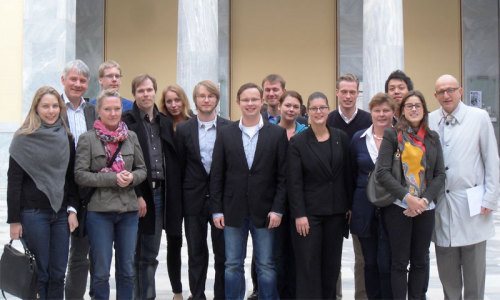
pixel 448 92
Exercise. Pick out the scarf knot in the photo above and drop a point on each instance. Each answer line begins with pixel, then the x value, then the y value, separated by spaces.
pixel 111 139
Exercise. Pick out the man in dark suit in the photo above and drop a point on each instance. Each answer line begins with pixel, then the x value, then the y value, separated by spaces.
pixel 81 116
pixel 195 143
pixel 247 192
pixel 159 196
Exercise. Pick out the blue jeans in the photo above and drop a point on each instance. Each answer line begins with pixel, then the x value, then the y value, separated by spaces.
pixel 103 229
pixel 148 246
pixel 235 239
pixel 47 236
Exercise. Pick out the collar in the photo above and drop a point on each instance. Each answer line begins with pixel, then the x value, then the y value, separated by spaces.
pixel 368 132
pixel 208 124
pixel 70 105
pixel 269 115
pixel 347 120
pixel 143 114
pixel 459 112
pixel 259 126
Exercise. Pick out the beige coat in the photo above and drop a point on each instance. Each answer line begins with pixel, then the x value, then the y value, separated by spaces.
pixel 91 158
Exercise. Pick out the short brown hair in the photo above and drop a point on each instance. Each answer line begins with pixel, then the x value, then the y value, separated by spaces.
pixel 106 65
pixel 350 78
pixel 140 79
pixel 273 78
pixel 247 86
pixel 381 98
pixel 293 94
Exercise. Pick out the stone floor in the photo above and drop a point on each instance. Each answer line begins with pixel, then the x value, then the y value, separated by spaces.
pixel 164 290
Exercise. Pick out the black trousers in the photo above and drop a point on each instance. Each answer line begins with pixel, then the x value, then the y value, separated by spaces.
pixel 410 240
pixel 196 235
pixel 318 257
pixel 174 245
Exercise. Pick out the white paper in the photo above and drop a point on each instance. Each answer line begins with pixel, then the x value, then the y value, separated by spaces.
pixel 475 197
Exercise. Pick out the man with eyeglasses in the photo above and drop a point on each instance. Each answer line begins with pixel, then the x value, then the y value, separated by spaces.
pixel 247 192
pixel 351 119
pixel 471 164
pixel 195 139
pixel 110 77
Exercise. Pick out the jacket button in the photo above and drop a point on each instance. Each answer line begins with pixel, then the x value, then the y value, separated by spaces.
pixel 446 168
pixel 447 191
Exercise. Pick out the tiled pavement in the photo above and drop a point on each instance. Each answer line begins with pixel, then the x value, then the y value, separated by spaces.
pixel 164 290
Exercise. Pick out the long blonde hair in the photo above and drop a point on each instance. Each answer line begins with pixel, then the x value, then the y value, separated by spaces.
pixel 182 95
pixel 33 121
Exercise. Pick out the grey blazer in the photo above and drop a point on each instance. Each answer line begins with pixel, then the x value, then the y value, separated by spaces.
pixel 91 158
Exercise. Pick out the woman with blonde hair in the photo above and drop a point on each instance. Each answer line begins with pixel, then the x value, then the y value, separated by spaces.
pixel 175 104
pixel 40 189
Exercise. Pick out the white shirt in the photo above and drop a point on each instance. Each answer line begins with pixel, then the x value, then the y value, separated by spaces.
pixel 250 136
pixel 370 143
pixel 76 118
pixel 346 119
pixel 206 139
pixel 470 159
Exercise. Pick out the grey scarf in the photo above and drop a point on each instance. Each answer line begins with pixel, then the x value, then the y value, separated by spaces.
pixel 44 156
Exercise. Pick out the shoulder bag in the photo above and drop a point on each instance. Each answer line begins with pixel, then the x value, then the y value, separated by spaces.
pixel 18 272
pixel 375 192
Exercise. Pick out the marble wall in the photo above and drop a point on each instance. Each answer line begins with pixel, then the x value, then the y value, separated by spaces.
pixel 90 40
pixel 197 44
pixel 383 44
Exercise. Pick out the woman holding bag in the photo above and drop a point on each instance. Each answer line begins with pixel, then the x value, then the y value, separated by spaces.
pixel 40 189
pixel 112 213
pixel 366 221
pixel 410 219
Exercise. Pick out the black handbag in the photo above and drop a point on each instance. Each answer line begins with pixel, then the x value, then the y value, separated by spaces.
pixel 18 272
pixel 85 195
pixel 375 192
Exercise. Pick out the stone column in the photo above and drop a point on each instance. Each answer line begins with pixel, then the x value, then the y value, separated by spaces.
pixel 48 43
pixel 383 44
pixel 197 44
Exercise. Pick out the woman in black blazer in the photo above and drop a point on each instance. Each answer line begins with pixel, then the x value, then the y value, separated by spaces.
pixel 410 219
pixel 317 181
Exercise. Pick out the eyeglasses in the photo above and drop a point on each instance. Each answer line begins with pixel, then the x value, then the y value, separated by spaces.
pixel 410 106
pixel 203 97
pixel 316 109
pixel 246 100
pixel 113 76
pixel 448 91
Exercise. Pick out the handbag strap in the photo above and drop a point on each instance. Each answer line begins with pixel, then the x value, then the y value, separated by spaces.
pixel 112 160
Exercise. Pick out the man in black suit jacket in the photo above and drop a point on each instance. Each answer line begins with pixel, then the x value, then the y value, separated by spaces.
pixel 247 192
pixel 160 195
pixel 80 117
pixel 195 140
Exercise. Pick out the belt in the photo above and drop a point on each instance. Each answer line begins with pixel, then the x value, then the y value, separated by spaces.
pixel 156 184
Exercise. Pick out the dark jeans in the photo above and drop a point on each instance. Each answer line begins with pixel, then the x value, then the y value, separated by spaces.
pixel 146 252
pixel 235 239
pixel 377 254
pixel 196 236
pixel 284 257
pixel 410 240
pixel 318 256
pixel 105 229
pixel 78 268
pixel 47 236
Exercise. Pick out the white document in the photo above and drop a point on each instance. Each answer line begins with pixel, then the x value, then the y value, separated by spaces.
pixel 475 197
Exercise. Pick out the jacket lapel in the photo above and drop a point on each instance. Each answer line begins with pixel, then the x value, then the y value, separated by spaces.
pixel 261 142
pixel 335 144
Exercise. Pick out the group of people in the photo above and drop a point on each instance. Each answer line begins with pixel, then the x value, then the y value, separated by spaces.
pixel 85 179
